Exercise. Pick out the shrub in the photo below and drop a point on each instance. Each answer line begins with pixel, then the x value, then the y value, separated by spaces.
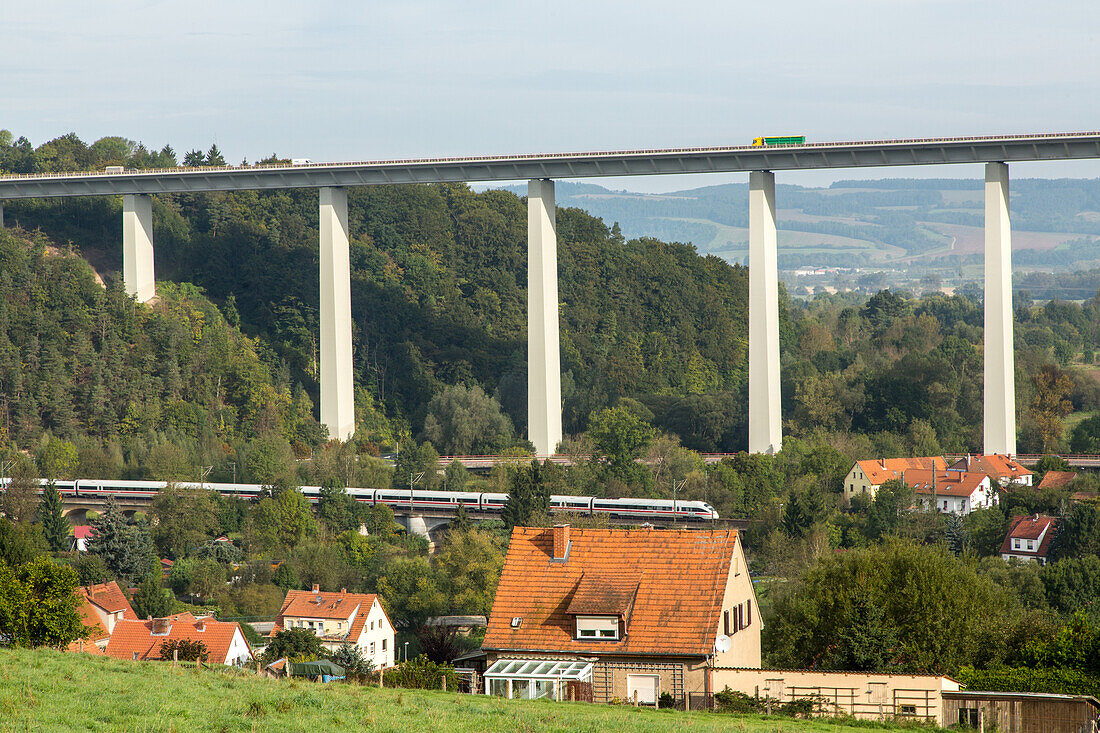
pixel 422 674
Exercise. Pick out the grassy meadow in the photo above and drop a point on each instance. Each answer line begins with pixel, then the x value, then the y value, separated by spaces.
pixel 45 690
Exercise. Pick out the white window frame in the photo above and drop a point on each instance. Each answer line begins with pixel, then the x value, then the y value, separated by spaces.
pixel 597 628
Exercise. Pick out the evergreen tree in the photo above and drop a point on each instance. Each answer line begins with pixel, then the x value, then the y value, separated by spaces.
pixel 214 156
pixel 958 539
pixel 337 509
pixel 528 497
pixel 461 522
pixel 151 600
pixel 51 515
pixel 123 543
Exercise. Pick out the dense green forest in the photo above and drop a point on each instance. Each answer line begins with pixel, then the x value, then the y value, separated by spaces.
pixel 439 329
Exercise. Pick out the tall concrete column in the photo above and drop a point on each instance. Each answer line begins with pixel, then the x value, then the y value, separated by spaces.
pixel 337 395
pixel 543 359
pixel 765 428
pixel 137 246
pixel 1000 385
pixel 1 214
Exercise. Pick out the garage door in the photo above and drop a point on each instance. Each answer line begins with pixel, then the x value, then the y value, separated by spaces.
pixel 646 685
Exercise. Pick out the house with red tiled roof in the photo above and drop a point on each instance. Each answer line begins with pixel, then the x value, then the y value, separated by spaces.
pixel 102 606
pixel 1029 538
pixel 952 491
pixel 867 476
pixel 340 618
pixel 135 639
pixel 1000 468
pixel 1057 479
pixel 600 614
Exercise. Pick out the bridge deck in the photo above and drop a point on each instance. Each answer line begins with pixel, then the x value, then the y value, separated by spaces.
pixel 722 159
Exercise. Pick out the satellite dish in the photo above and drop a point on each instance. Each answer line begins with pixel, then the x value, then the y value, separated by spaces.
pixel 723 644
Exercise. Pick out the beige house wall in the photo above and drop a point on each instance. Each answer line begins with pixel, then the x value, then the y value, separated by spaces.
pixel 856 482
pixel 745 649
pixel 860 694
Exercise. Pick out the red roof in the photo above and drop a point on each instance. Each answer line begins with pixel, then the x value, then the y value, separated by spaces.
pixel 1031 528
pixel 82 531
pixel 947 483
pixel 881 470
pixel 317 604
pixel 137 636
pixel 667 586
pixel 995 465
pixel 1057 479
pixel 109 597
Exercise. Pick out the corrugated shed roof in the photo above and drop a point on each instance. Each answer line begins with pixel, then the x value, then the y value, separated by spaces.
pixel 679 575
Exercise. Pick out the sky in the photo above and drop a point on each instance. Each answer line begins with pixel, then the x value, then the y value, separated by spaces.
pixel 373 80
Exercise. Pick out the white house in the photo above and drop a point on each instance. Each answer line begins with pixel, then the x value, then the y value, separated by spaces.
pixel 340 618
pixel 134 639
pixel 953 491
pixel 1029 538
pixel 998 467
pixel 867 476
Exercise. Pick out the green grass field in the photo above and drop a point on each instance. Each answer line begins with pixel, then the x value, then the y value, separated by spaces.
pixel 45 690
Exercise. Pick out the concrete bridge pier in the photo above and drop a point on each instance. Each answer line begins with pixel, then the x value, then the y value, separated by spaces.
pixel 1000 386
pixel 337 390
pixel 765 426
pixel 543 356
pixel 137 246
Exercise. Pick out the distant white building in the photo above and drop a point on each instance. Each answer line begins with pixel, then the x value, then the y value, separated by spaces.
pixel 867 476
pixel 1029 538
pixel 1004 469
pixel 953 491
pixel 340 618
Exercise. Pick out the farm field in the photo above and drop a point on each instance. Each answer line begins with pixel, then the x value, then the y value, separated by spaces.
pixel 45 690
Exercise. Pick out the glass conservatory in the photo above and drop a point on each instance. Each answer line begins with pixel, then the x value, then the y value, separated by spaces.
pixel 531 679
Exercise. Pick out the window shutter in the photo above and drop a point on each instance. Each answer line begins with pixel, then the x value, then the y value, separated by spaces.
pixel 748 612
pixel 740 616
pixel 726 622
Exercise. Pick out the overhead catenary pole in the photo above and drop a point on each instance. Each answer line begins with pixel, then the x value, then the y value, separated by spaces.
pixel 765 430
pixel 337 397
pixel 543 357
pixel 1000 387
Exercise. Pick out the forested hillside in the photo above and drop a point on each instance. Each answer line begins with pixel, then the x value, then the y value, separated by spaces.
pixel 439 323
pixel 98 385
pixel 438 290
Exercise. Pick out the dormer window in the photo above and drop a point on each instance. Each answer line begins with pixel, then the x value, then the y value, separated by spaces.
pixel 598 628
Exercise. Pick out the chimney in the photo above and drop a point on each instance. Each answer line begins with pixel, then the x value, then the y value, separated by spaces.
pixel 161 626
pixel 561 541
pixel 343 590
pixel 200 625
pixel 882 462
pixel 316 588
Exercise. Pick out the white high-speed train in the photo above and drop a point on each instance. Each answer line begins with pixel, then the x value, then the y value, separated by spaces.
pixel 406 499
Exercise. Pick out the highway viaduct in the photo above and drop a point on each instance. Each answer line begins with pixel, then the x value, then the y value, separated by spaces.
pixel 544 373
